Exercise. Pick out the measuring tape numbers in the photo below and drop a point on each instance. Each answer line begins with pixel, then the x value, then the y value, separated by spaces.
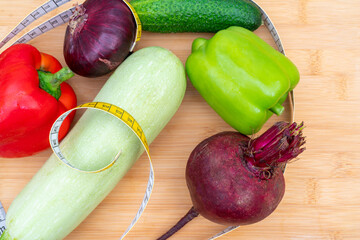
pixel 56 21
pixel 117 112
pixel 126 118
pixel 34 15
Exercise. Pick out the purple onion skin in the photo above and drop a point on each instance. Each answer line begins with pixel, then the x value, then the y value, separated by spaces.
pixel 99 38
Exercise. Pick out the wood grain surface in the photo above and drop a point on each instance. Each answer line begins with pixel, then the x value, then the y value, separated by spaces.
pixel 322 199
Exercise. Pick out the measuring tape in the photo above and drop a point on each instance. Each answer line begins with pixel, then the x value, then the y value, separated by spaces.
pixel 52 23
pixel 2 219
pixel 130 121
pixel 56 21
pixel 121 114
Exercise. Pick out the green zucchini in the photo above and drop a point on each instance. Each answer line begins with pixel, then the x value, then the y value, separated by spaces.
pixel 150 85
pixel 196 15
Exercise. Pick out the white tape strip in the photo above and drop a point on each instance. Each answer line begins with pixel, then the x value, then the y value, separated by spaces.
pixel 271 27
pixel 131 123
pixel 2 219
pixel 34 15
pixel 55 21
pixel 64 18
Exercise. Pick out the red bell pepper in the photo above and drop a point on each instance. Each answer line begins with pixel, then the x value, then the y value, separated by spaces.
pixel 32 96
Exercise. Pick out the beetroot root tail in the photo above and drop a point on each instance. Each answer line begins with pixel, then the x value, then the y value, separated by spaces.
pixel 190 215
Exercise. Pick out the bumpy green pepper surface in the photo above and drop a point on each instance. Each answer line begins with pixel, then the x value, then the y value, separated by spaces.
pixel 244 79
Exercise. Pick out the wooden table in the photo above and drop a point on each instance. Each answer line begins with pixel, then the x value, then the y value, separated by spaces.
pixel 323 187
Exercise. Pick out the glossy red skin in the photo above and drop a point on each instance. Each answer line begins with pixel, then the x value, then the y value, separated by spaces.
pixel 223 189
pixel 27 112
pixel 107 34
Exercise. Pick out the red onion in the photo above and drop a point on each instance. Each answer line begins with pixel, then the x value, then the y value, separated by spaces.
pixel 99 37
pixel 234 180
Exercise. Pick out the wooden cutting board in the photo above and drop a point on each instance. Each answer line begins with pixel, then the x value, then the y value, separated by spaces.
pixel 323 187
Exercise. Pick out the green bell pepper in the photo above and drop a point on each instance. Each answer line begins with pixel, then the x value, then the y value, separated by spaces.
pixel 244 79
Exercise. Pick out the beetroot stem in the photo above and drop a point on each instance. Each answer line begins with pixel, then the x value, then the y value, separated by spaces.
pixel 190 215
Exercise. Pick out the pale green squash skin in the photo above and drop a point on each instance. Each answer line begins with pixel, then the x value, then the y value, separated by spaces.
pixel 150 85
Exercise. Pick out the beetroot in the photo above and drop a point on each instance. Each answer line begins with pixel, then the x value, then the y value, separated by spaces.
pixel 236 180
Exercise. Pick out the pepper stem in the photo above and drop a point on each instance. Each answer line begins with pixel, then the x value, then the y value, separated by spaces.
pixel 198 43
pixel 277 109
pixel 51 82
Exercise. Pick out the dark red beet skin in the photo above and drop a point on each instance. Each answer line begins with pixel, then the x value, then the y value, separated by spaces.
pixel 99 37
pixel 234 180
pixel 223 189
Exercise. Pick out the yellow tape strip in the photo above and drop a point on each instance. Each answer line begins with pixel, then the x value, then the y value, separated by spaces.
pixel 137 20
pixel 105 107
pixel 130 121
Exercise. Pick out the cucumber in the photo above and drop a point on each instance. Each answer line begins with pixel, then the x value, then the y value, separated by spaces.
pixel 150 85
pixel 196 15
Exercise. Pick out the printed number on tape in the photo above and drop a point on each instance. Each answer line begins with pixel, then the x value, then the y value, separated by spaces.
pixel 64 17
pixel 54 22
pixel 130 121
